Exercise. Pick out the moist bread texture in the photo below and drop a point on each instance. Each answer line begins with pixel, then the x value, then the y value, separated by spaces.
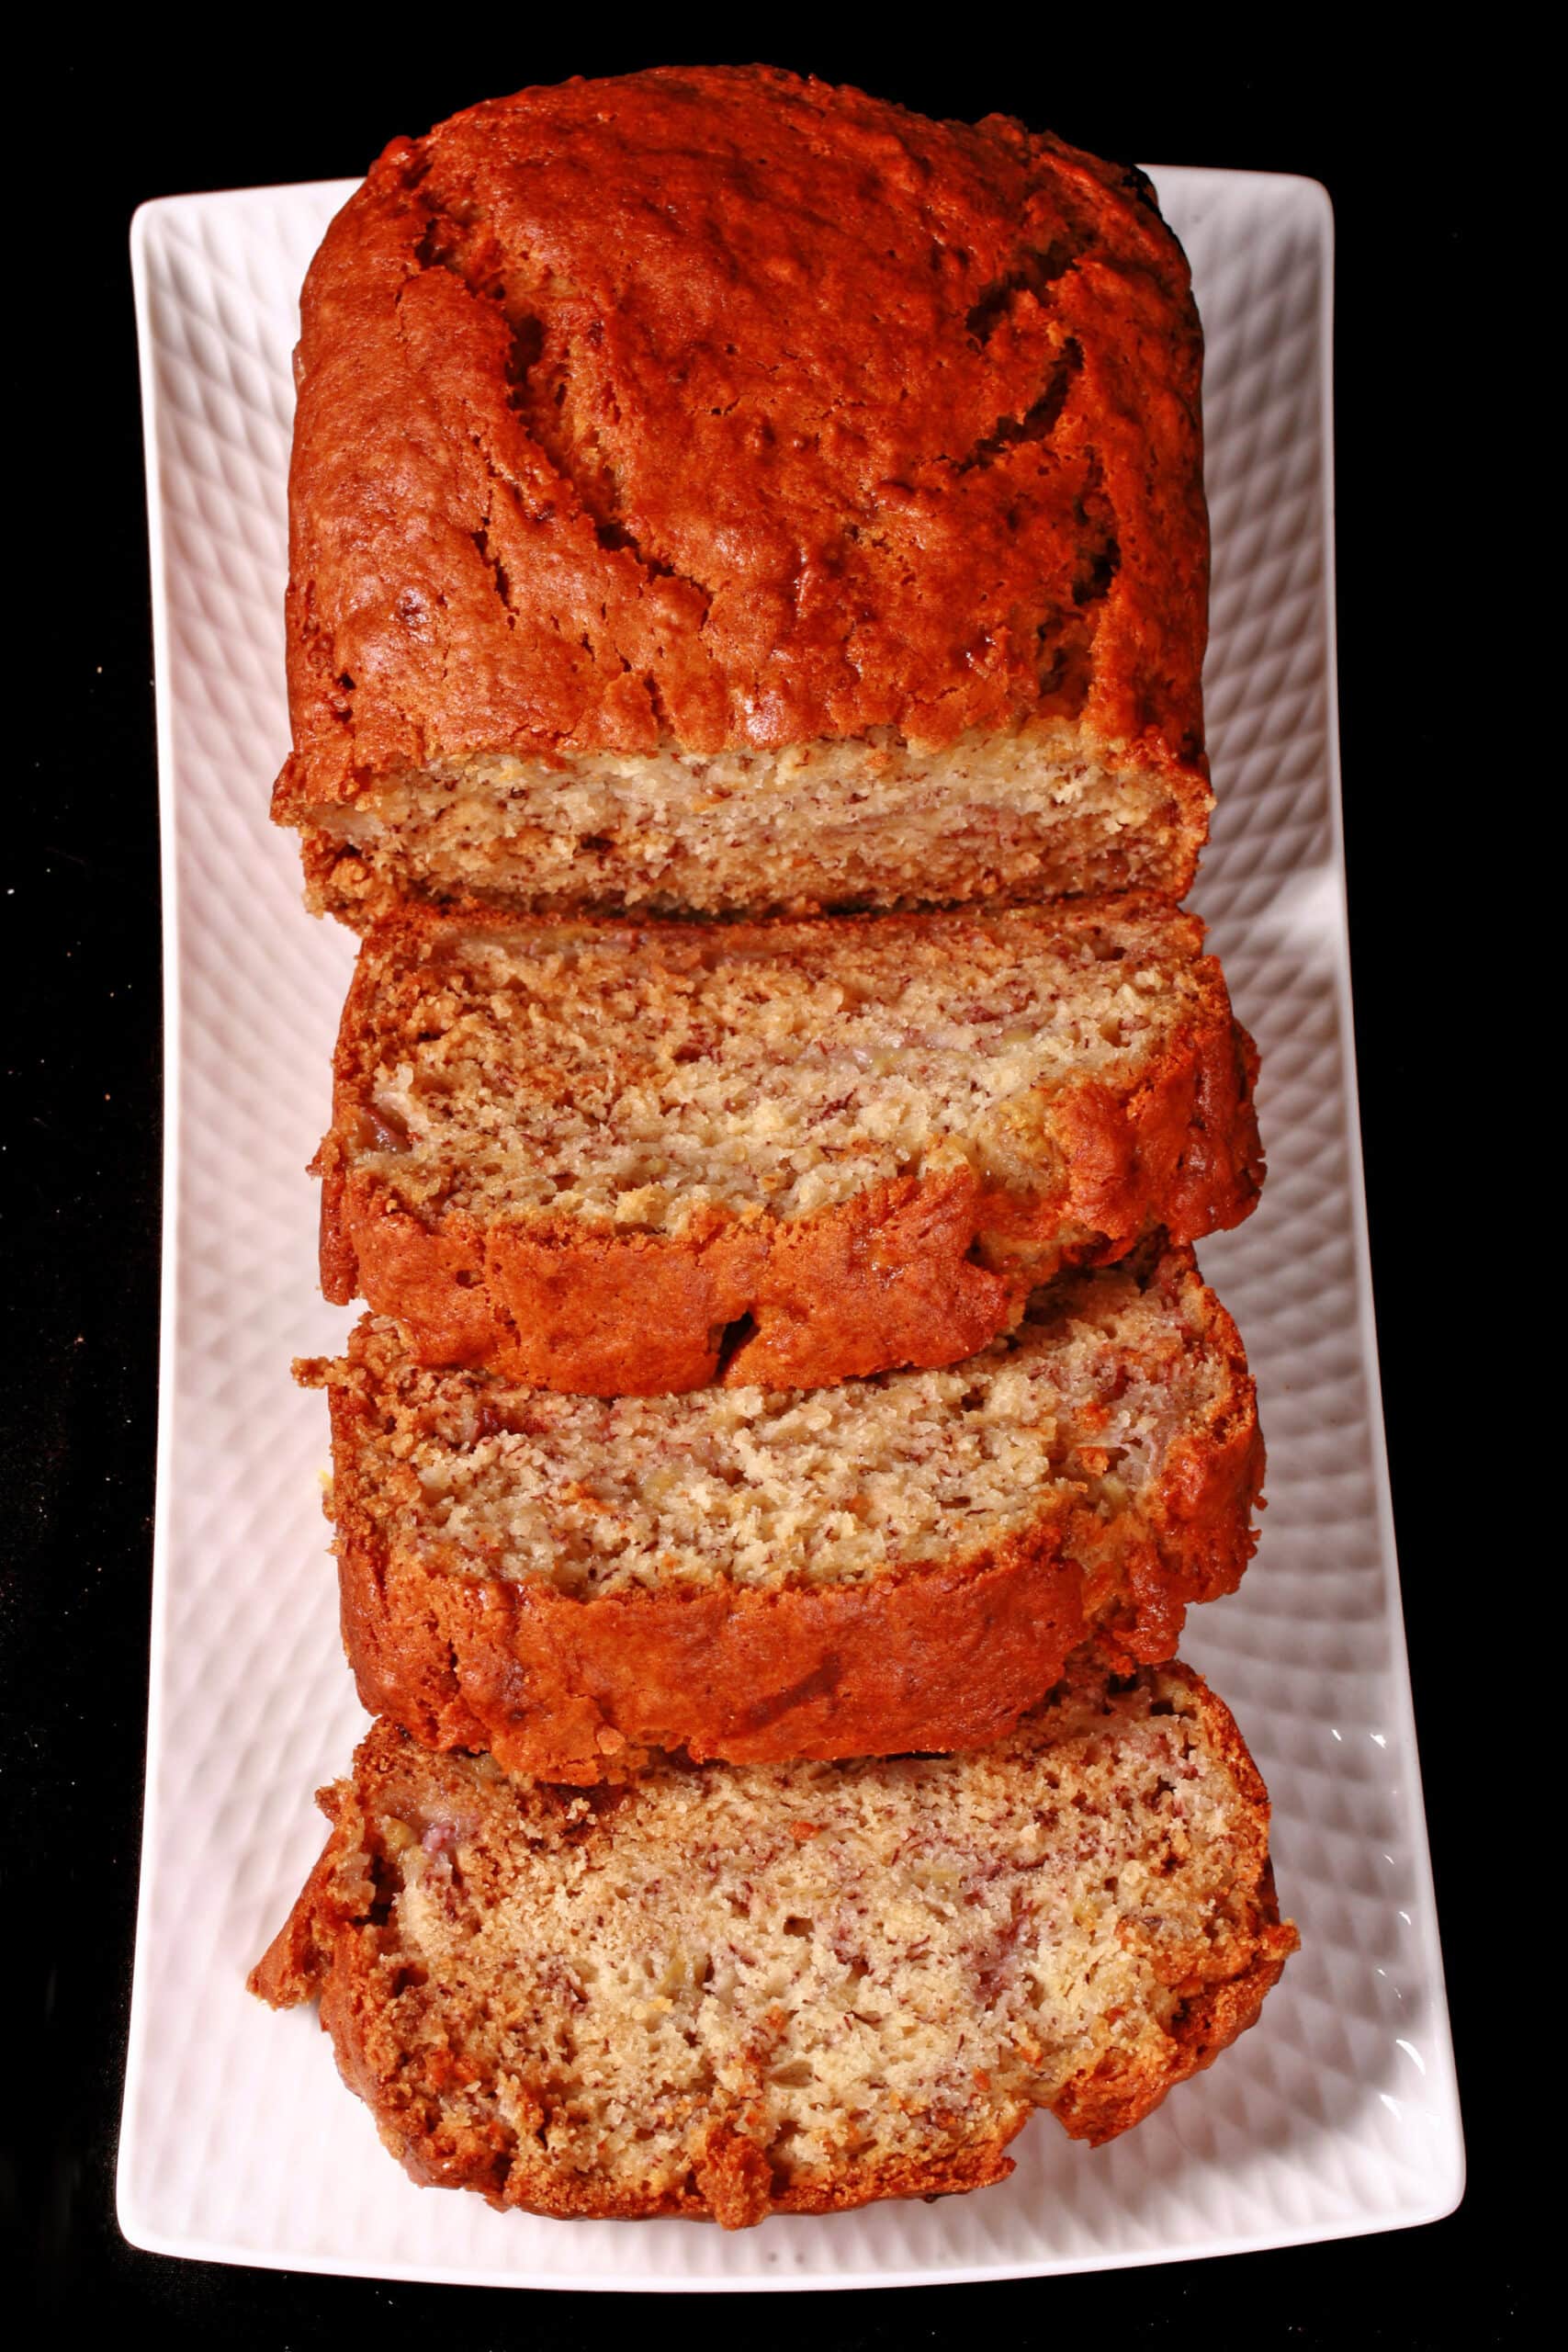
pixel 721 1994
pixel 716 491
pixel 906 1562
pixel 618 1160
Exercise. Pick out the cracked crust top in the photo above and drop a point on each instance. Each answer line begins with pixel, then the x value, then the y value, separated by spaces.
pixel 716 408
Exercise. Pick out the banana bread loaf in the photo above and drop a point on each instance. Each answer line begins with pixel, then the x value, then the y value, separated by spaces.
pixel 713 490
pixel 722 1992
pixel 613 1159
pixel 898 1563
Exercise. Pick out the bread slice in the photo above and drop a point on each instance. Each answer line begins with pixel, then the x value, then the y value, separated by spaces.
pixel 902 1562
pixel 613 1159
pixel 716 491
pixel 721 1993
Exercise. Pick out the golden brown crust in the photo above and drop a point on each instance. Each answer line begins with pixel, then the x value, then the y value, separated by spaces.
pixel 918 1270
pixel 1116 2095
pixel 294 1964
pixel 936 1658
pixel 710 407
pixel 882 1280
pixel 333 1948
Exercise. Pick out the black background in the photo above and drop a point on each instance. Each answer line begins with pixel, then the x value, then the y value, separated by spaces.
pixel 83 1066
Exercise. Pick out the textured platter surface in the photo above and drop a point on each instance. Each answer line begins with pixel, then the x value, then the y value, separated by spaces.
pixel 1339 2113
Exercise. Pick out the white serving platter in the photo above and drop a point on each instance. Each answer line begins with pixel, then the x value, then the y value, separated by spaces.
pixel 1339 2113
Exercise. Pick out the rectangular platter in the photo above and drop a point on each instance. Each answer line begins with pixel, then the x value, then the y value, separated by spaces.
pixel 1338 2114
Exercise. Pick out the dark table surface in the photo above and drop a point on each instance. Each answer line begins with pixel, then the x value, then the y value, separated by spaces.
pixel 80 1165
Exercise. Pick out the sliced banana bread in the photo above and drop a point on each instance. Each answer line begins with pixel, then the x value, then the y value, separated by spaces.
pixel 714 490
pixel 609 1158
pixel 726 1993
pixel 901 1562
